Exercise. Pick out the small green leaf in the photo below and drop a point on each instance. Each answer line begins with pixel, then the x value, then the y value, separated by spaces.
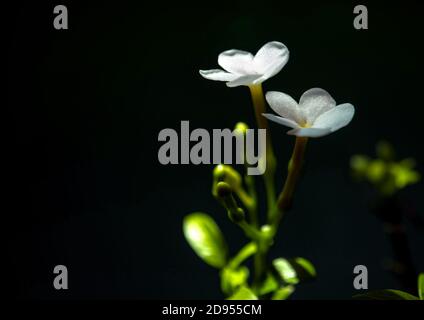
pixel 231 279
pixel 270 284
pixel 292 271
pixel 387 294
pixel 206 239
pixel 421 286
pixel 243 293
pixel 283 293
pixel 301 264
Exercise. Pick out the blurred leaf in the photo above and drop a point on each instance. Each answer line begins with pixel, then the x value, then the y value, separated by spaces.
pixel 292 271
pixel 376 170
pixel 285 270
pixel 305 267
pixel 421 286
pixel 270 285
pixel 403 175
pixel 243 293
pixel 206 239
pixel 231 279
pixel 385 173
pixel 283 293
pixel 387 294
pixel 385 151
pixel 359 164
pixel 409 163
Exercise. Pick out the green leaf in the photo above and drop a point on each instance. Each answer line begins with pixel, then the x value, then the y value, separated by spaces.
pixel 283 293
pixel 206 239
pixel 243 293
pixel 270 284
pixel 386 294
pixel 292 271
pixel 421 286
pixel 231 279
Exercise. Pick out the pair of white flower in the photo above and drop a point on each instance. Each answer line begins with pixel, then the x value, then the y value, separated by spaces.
pixel 315 115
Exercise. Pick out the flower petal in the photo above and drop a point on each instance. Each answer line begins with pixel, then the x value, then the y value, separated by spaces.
pixel 243 80
pixel 309 132
pixel 217 74
pixel 284 121
pixel 335 118
pixel 237 61
pixel 270 59
pixel 314 102
pixel 284 105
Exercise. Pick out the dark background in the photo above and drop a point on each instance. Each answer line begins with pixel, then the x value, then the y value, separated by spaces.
pixel 84 187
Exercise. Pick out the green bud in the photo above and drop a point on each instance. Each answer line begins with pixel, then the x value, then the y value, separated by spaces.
pixel 225 195
pixel 236 215
pixel 225 173
pixel 241 128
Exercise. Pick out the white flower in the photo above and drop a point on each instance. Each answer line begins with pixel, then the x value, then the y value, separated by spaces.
pixel 244 69
pixel 316 115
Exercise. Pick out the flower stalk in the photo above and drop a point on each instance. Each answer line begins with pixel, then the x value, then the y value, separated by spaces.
pixel 253 209
pixel 258 101
pixel 285 198
pixel 259 260
pixel 244 253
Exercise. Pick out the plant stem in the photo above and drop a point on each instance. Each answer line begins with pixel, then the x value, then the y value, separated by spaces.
pixel 244 253
pixel 259 263
pixel 250 204
pixel 259 106
pixel 390 211
pixel 253 210
pixel 258 101
pixel 250 231
pixel 295 165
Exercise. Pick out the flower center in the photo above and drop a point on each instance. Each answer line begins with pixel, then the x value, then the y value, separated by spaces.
pixel 305 124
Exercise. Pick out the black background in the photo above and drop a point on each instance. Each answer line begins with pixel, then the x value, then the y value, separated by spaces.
pixel 85 106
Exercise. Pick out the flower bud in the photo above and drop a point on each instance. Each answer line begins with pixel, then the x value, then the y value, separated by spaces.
pixel 225 195
pixel 241 128
pixel 224 173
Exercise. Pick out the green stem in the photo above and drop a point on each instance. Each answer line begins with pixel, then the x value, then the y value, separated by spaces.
pixel 247 200
pixel 253 210
pixel 259 263
pixel 244 253
pixel 260 107
pixel 285 198
pixel 250 231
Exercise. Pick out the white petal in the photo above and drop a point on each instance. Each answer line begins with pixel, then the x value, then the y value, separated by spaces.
pixel 237 62
pixel 217 74
pixel 284 121
pixel 314 102
pixel 309 132
pixel 243 81
pixel 335 118
pixel 271 58
pixel 284 105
